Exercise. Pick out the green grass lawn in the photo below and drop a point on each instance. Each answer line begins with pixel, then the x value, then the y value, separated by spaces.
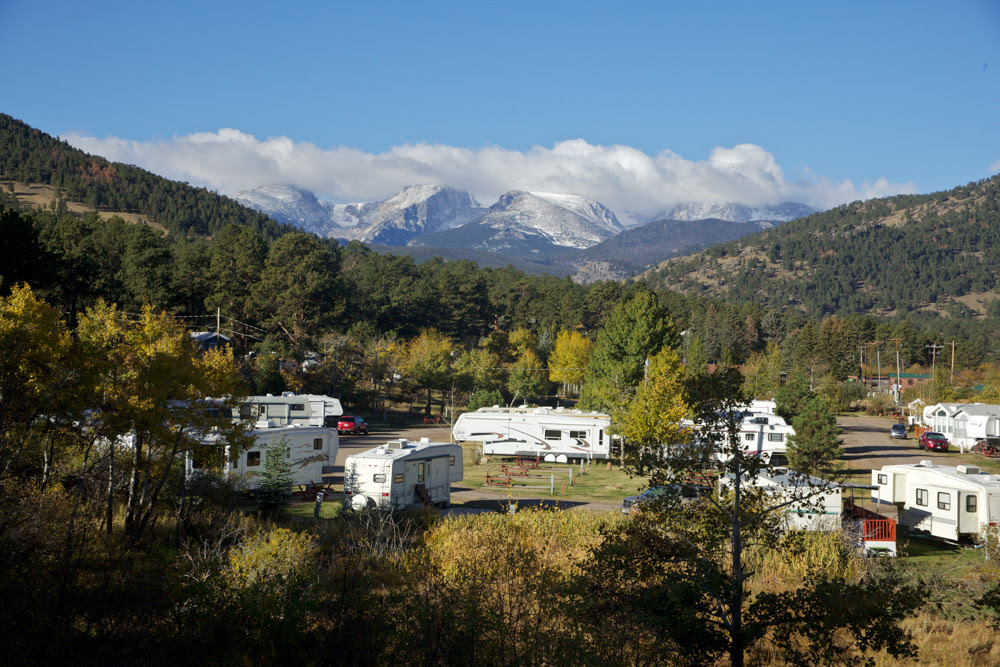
pixel 330 508
pixel 595 484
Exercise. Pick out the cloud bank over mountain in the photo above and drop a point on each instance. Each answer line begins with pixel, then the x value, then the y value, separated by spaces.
pixel 622 177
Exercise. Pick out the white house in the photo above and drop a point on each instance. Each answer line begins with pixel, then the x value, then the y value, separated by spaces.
pixel 945 501
pixel 939 417
pixel 915 411
pixel 975 421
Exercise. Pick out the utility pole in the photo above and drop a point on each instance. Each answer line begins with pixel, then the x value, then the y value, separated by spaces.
pixel 952 363
pixel 218 326
pixel 878 357
pixel 934 348
pixel 899 380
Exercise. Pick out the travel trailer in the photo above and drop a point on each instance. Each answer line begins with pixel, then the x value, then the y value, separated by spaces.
pixel 402 474
pixel 814 504
pixel 945 501
pixel 311 449
pixel 289 409
pixel 761 434
pixel 552 434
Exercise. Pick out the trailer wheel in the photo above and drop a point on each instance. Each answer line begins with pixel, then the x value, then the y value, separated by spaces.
pixel 562 458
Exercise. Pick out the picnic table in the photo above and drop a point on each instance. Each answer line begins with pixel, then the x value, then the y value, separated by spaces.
pixel 432 420
pixel 309 491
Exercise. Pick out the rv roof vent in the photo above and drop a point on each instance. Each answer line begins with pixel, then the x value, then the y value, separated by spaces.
pixel 397 444
pixel 927 463
pixel 267 423
pixel 425 441
pixel 968 470
pixel 288 393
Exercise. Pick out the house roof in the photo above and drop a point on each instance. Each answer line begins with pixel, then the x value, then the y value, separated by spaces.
pixel 205 336
pixel 979 410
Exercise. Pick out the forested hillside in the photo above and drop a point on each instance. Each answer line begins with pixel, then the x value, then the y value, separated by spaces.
pixel 884 256
pixel 28 155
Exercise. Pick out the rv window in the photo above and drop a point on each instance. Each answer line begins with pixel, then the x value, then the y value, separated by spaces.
pixel 775 437
pixel 922 497
pixel 578 434
pixel 748 436
pixel 553 435
pixel 970 503
pixel 451 460
pixel 298 407
pixel 883 479
pixel 398 478
pixel 420 473
pixel 944 500
pixel 253 459
pixel 378 479
pixel 600 437
pixel 246 411
pixel 317 443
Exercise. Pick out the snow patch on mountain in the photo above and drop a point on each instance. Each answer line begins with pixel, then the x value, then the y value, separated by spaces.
pixel 733 212
pixel 564 220
pixel 291 205
pixel 414 211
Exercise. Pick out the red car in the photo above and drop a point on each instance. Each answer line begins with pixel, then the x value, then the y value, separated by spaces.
pixel 932 441
pixel 352 425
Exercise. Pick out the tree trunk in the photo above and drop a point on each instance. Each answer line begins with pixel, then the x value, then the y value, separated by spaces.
pixel 736 644
pixel 133 485
pixel 110 515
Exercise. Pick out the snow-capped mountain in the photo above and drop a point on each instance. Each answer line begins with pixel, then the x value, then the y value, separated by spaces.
pixel 414 211
pixel 737 212
pixel 564 220
pixel 291 205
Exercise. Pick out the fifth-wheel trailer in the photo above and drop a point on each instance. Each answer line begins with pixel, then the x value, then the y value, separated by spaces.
pixel 553 434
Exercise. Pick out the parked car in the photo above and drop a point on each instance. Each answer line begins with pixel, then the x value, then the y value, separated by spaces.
pixel 898 431
pixel 933 441
pixel 352 424
pixel 688 493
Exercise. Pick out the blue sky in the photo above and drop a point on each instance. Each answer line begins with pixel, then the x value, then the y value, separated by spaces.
pixel 830 97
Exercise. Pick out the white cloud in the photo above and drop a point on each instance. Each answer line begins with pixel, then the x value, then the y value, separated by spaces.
pixel 995 167
pixel 622 177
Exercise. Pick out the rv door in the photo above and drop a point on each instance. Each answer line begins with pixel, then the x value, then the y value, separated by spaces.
pixel 316 413
pixel 968 513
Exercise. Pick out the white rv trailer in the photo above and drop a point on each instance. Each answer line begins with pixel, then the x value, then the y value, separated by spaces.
pixel 552 434
pixel 401 474
pixel 761 434
pixel 289 409
pixel 945 501
pixel 311 449
pixel 814 504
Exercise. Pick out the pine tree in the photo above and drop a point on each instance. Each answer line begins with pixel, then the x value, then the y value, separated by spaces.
pixel 276 478
pixel 816 444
